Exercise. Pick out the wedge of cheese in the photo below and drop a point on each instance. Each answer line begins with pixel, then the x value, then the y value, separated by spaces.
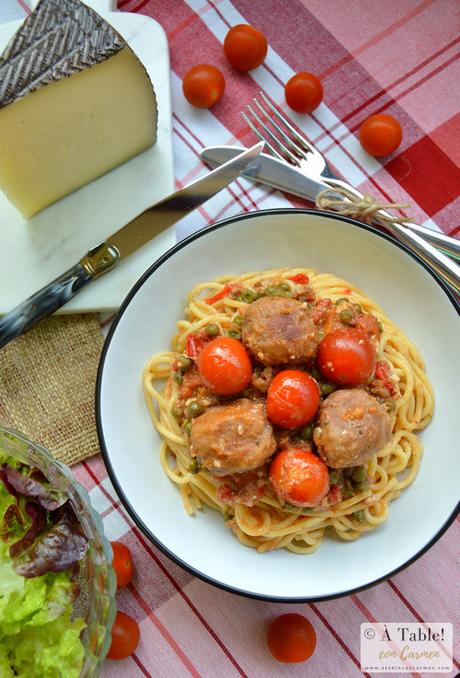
pixel 75 102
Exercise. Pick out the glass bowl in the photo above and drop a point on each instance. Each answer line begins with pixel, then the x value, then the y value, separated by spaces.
pixel 97 583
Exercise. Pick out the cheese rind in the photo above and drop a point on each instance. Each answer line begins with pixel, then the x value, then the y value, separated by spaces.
pixel 58 135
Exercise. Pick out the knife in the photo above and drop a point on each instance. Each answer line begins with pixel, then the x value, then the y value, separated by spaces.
pixel 279 174
pixel 105 256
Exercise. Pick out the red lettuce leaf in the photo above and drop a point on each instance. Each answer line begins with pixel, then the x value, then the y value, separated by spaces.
pixel 3 477
pixel 34 485
pixel 56 549
pixel 38 516
pixel 13 522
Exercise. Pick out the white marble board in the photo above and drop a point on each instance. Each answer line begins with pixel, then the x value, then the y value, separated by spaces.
pixel 34 251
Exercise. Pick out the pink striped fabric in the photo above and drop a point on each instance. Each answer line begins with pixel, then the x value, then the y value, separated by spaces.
pixel 401 57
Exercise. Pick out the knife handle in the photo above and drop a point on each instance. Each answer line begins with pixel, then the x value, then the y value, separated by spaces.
pixel 57 293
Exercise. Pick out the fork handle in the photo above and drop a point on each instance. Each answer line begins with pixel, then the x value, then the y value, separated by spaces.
pixel 414 239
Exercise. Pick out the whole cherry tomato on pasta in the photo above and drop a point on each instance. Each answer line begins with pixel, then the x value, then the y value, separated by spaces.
pixel 291 638
pixel 299 477
pixel 292 399
pixel 380 134
pixel 224 366
pixel 203 85
pixel 122 563
pixel 347 357
pixel 125 637
pixel 303 92
pixel 245 47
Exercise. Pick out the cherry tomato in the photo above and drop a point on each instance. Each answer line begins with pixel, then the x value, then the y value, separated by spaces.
pixel 245 47
pixel 203 85
pixel 122 563
pixel 380 134
pixel 292 399
pixel 125 637
pixel 291 638
pixel 299 477
pixel 303 92
pixel 224 366
pixel 347 357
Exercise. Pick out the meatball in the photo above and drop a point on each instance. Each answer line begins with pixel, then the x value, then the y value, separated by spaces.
pixel 352 426
pixel 233 438
pixel 279 330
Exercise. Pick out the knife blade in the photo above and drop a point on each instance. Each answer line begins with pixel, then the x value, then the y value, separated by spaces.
pixel 136 233
pixel 279 174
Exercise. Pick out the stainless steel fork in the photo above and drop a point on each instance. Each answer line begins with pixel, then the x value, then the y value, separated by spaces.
pixel 286 143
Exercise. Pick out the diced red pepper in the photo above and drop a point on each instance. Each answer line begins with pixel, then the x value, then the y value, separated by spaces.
pixel 224 292
pixel 383 372
pixel 194 345
pixel 300 279
pixel 347 290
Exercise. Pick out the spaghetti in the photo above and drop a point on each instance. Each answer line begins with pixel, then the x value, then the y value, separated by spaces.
pixel 269 523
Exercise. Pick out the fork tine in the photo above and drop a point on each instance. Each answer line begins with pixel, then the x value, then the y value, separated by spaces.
pixel 288 140
pixel 261 137
pixel 301 139
pixel 294 159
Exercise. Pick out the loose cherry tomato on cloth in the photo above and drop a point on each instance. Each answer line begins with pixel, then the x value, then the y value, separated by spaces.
pixel 299 477
pixel 125 637
pixel 347 357
pixel 203 85
pixel 122 563
pixel 303 92
pixel 224 366
pixel 380 134
pixel 292 399
pixel 245 47
pixel 291 638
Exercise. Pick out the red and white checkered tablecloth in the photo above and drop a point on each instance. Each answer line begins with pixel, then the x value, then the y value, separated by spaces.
pixel 399 57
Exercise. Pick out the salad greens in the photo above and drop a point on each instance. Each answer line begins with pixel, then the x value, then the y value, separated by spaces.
pixel 40 542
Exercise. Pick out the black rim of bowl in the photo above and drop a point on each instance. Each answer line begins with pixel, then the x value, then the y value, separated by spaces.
pixel 125 501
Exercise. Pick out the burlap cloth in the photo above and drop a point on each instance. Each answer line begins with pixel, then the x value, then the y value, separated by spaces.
pixel 47 385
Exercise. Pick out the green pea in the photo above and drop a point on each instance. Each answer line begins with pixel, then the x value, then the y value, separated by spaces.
pixel 235 334
pixel 194 466
pixel 359 474
pixel 176 411
pixel 184 362
pixel 187 426
pixel 359 516
pixel 286 287
pixel 341 300
pixel 212 330
pixel 271 291
pixel 194 410
pixel 361 487
pixel 390 405
pixel 347 491
pixel 306 432
pixel 334 477
pixel 178 378
pixel 248 296
pixel 238 320
pixel 326 388
pixel 346 316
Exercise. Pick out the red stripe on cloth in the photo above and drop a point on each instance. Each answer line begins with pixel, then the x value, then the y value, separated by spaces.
pixel 380 36
pixel 388 88
pixel 169 576
pixel 137 661
pixel 164 631
pixel 337 638
pixel 24 6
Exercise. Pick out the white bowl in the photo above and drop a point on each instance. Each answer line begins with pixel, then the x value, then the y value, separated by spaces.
pixel 412 297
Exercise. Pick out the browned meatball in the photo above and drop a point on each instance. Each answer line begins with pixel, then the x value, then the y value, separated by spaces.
pixel 279 330
pixel 233 438
pixel 352 426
